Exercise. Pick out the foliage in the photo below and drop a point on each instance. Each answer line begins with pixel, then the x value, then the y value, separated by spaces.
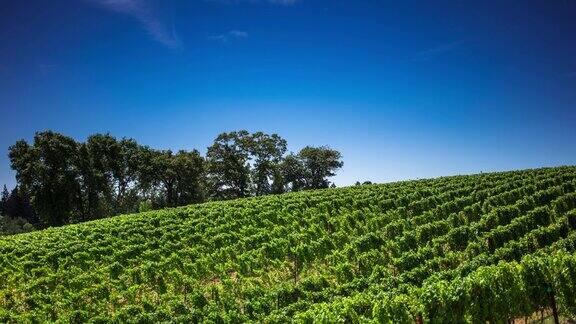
pixel 319 163
pixel 16 204
pixel 10 225
pixel 47 170
pixel 488 247
pixel 228 165
pixel 67 181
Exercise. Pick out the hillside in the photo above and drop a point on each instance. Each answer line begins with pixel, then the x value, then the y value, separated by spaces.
pixel 465 248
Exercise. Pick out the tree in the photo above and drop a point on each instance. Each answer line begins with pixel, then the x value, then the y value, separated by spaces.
pixel 67 181
pixel 17 205
pixel 172 179
pixel 97 156
pixel 124 167
pixel 146 174
pixel 165 175
pixel 4 200
pixel 93 197
pixel 278 181
pixel 189 169
pixel 46 170
pixel 10 226
pixel 267 152
pixel 228 167
pixel 310 168
pixel 155 176
pixel 293 173
pixel 319 164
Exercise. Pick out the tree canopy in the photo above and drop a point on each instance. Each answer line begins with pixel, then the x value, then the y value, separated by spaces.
pixel 66 181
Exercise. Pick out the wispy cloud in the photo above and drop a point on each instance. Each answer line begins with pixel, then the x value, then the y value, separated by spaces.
pixel 275 2
pixel 44 68
pixel 283 2
pixel 238 33
pixel 436 51
pixel 147 16
pixel 230 35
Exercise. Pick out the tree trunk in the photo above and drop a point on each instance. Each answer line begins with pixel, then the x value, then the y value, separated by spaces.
pixel 554 308
pixel 170 194
pixel 419 319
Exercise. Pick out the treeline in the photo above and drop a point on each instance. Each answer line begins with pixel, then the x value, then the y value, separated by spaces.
pixel 16 214
pixel 68 181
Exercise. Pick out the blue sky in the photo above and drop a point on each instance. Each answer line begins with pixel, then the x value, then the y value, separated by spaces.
pixel 404 90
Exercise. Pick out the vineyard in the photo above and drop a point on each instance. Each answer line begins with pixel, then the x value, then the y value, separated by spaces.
pixel 489 247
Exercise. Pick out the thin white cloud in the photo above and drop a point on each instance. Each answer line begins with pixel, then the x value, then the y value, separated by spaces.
pixel 230 35
pixel 144 13
pixel 275 2
pixel 435 51
pixel 44 68
pixel 283 2
pixel 219 38
pixel 238 33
